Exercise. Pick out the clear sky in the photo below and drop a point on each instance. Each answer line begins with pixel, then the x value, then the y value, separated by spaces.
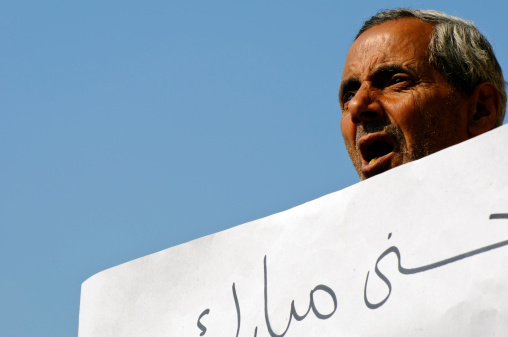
pixel 127 127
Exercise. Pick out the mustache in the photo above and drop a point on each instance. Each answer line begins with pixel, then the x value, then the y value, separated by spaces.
pixel 390 129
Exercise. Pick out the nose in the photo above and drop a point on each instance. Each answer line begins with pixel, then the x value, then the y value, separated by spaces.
pixel 365 107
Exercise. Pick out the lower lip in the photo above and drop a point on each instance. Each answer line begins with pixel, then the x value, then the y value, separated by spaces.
pixel 380 165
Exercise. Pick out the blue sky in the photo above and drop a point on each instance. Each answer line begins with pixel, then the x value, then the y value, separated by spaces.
pixel 129 127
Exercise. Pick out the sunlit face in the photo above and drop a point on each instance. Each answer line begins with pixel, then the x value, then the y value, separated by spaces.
pixel 395 106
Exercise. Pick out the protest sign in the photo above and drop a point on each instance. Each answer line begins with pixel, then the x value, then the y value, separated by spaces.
pixel 420 250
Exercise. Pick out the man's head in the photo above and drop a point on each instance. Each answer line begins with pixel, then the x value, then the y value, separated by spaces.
pixel 416 82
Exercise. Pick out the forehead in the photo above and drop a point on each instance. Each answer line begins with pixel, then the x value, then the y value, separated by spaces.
pixel 402 41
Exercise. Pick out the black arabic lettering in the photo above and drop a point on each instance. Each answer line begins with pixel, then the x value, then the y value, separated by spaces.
pixel 294 314
pixel 409 271
pixel 237 310
pixel 498 216
pixel 200 325
pixel 237 304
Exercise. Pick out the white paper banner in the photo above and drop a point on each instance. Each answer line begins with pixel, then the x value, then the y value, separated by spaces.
pixel 421 250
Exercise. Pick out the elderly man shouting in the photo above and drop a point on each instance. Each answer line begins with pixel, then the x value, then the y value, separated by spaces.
pixel 416 82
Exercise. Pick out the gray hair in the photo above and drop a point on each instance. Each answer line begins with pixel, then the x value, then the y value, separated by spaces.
pixel 457 50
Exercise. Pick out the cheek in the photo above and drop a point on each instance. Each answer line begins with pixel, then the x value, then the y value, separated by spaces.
pixel 408 114
pixel 348 129
pixel 407 109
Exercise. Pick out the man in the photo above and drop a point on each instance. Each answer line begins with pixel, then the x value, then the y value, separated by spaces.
pixel 416 82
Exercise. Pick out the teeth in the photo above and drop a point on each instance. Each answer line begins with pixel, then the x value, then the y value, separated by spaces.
pixel 372 160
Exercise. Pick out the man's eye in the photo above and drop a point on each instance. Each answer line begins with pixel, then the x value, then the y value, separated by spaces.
pixel 348 96
pixel 398 79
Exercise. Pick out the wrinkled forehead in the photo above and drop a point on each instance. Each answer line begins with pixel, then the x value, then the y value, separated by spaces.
pixel 398 41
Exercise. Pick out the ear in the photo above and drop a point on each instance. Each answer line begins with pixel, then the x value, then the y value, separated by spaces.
pixel 483 112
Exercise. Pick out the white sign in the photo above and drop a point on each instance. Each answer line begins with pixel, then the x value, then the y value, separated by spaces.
pixel 421 250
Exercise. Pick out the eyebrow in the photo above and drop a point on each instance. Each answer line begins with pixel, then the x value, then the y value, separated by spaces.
pixel 353 83
pixel 392 69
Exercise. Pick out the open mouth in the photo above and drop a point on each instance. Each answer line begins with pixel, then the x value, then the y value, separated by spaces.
pixel 375 150
pixel 374 147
